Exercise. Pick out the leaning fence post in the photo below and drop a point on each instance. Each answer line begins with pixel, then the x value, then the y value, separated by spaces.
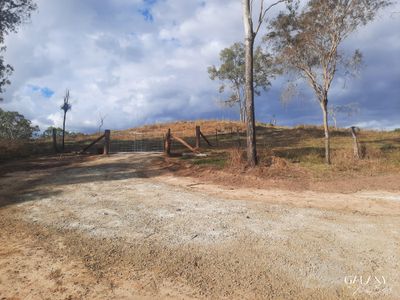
pixel 356 144
pixel 167 147
pixel 55 140
pixel 197 137
pixel 107 134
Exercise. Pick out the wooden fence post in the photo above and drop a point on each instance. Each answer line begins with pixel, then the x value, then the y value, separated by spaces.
pixel 356 144
pixel 107 134
pixel 197 137
pixel 216 137
pixel 55 140
pixel 167 146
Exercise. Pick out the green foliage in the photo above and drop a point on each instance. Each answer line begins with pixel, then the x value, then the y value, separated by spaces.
pixel 49 132
pixel 59 132
pixel 231 72
pixel 14 126
pixel 12 14
pixel 307 42
pixel 5 72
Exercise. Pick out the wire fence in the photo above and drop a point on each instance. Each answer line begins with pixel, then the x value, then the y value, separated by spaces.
pixel 148 141
pixel 218 138
pixel 154 145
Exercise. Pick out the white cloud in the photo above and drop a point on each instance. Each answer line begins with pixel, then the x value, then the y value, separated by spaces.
pixel 117 64
pixel 378 124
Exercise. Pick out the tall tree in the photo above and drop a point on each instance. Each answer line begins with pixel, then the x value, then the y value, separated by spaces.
pixel 12 14
pixel 65 107
pixel 231 73
pixel 308 42
pixel 251 30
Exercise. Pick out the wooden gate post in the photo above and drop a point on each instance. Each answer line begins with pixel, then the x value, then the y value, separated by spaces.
pixel 55 140
pixel 197 137
pixel 356 144
pixel 167 146
pixel 107 134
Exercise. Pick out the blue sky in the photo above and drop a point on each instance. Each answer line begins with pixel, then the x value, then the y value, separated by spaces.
pixel 144 61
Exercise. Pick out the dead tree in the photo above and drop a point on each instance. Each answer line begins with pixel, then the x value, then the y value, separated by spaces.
pixel 65 107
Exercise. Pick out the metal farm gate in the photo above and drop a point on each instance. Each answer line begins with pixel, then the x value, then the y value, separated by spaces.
pixel 139 143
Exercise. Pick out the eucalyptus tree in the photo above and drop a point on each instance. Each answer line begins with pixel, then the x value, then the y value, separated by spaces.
pixel 12 14
pixel 14 126
pixel 307 43
pixel 253 20
pixel 232 77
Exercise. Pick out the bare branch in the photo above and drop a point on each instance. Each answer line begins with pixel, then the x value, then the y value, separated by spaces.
pixel 263 13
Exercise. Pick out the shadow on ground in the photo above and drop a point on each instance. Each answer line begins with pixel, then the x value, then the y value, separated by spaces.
pixel 34 179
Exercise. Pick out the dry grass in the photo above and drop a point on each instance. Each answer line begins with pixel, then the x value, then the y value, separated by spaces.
pixel 18 149
pixel 236 158
pixel 294 152
pixel 282 150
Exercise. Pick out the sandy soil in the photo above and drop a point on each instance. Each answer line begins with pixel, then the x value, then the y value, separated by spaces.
pixel 123 227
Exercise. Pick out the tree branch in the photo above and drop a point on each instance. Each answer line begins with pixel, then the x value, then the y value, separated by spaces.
pixel 263 12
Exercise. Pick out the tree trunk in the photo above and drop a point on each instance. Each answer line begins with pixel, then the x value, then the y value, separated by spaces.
pixel 334 121
pixel 249 86
pixel 244 111
pixel 63 136
pixel 324 106
pixel 241 111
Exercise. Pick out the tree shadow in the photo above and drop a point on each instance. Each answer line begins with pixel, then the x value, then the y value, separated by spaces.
pixel 47 176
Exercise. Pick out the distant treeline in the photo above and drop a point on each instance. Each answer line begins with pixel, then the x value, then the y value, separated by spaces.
pixel 14 126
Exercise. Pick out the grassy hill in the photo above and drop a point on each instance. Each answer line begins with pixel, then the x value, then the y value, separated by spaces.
pixel 292 146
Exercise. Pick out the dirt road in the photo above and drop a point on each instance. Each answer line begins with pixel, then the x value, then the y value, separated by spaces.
pixel 120 228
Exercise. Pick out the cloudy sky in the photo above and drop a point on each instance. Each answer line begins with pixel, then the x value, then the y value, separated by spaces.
pixel 144 61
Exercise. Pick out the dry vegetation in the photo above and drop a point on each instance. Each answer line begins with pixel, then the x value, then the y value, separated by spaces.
pixel 154 227
pixel 283 152
pixel 287 152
